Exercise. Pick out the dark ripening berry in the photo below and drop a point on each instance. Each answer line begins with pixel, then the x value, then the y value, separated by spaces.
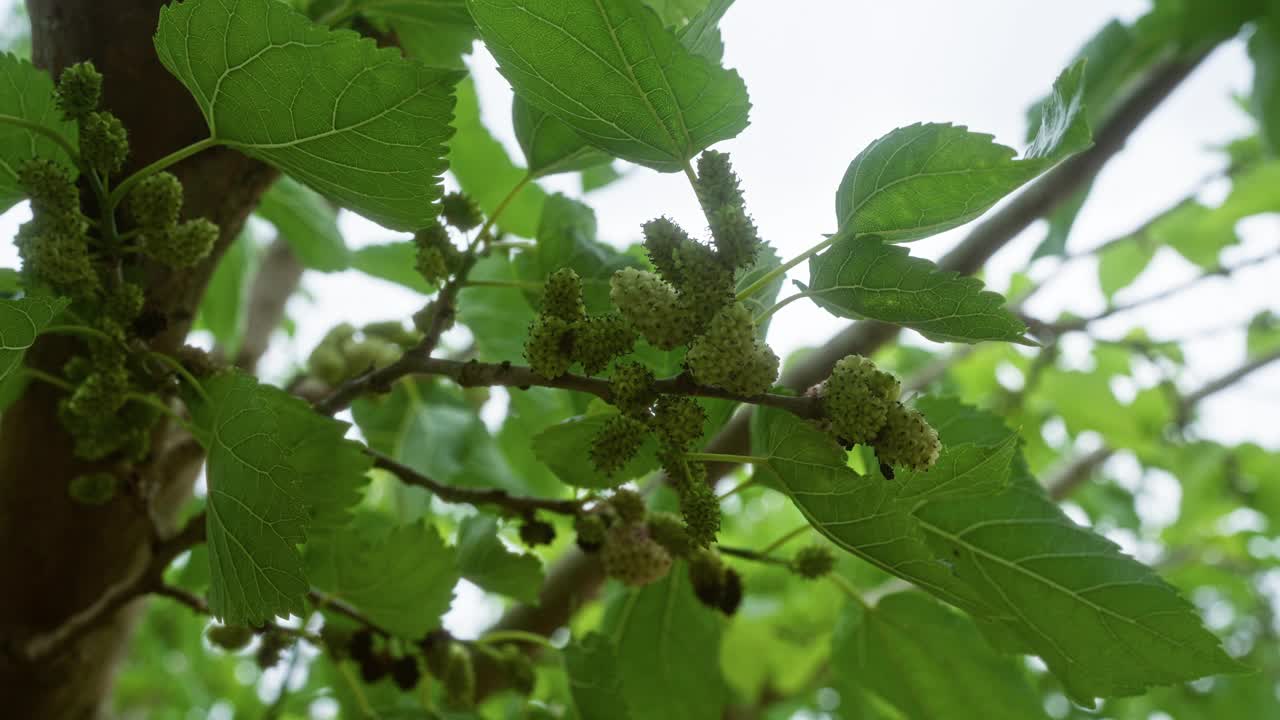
pixel 731 595
pixel 857 398
pixel 405 672
pixel 616 443
pixel 907 440
pixel 590 529
pixel 599 339
pixel 460 211
pixel 814 561
pixel 651 306
pixel 663 240
pixel 729 357
pixel 632 557
pixel 104 143
pixel 669 531
pixel 271 648
pixel 706 576
pixel 548 346
pixel 628 505
pixel 155 202
pixel 534 532
pixel 229 637
pixel 361 645
pixel 375 667
pixel 562 296
pixel 79 90
pixel 631 389
pixel 678 421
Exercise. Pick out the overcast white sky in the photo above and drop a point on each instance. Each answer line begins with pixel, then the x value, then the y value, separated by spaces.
pixel 827 77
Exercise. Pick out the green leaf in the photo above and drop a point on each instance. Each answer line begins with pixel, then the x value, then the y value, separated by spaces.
pixel 21 322
pixel 866 278
pixel 564 448
pixel 598 177
pixel 551 146
pixel 485 561
pixel 1120 264
pixel 431 428
pixel 702 34
pixel 437 32
pixel 1264 50
pixel 930 662
pixel 485 171
pixel 612 72
pixel 668 646
pixel 360 124
pixel 1200 233
pixel 864 515
pixel 1127 628
pixel 26 93
pixel 401 577
pixel 395 262
pixel 567 239
pixel 223 310
pixel 923 179
pixel 308 223
pixel 275 468
pixel 594 679
pixel 498 317
pixel 1263 334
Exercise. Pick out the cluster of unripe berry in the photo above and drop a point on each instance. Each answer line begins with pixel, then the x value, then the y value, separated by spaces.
pixel 65 253
pixel 637 547
pixel 345 353
pixel 861 406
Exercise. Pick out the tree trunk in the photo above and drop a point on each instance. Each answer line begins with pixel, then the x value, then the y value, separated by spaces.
pixel 58 557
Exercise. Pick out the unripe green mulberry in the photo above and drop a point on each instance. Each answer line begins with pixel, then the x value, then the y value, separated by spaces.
pixel 155 202
pixel 717 182
pixel 50 185
pixel 678 420
pixel 393 331
pixel 814 561
pixel 93 489
pixel 183 245
pixel 737 239
pixel 907 440
pixel 669 531
pixel 591 530
pixel 651 306
pixel 601 338
pixel 549 346
pixel 459 678
pixel 616 443
pixel 101 394
pixel 57 257
pixel 857 398
pixel 79 90
pixel 628 505
pixel 562 296
pixel 460 211
pixel 229 637
pixel 631 389
pixel 328 364
pixel 701 510
pixel 705 287
pixel 729 357
pixel 663 240
pixel 104 143
pixel 437 256
pixel 631 556
pixel 124 303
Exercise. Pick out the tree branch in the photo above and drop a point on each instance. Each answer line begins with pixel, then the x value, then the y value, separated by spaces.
pixel 274 284
pixel 473 496
pixel 866 337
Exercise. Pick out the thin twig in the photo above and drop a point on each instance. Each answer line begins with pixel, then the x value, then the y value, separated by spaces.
pixel 474 496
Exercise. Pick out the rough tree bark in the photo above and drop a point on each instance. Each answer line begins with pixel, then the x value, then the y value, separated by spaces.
pixel 58 557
